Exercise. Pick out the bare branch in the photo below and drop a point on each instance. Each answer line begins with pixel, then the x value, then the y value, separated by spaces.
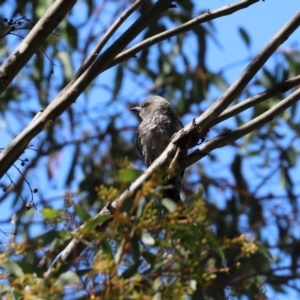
pixel 44 27
pixel 226 138
pixel 69 95
pixel 198 128
pixel 279 279
pixel 95 52
pixel 208 16
pixel 252 101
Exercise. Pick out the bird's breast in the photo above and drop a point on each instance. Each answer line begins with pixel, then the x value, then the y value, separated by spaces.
pixel 155 135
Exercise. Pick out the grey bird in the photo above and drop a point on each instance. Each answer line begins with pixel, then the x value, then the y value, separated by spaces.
pixel 159 124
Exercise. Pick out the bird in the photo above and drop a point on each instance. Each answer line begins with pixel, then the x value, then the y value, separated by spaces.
pixel 154 133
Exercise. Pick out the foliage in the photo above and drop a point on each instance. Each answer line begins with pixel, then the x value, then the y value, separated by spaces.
pixel 234 237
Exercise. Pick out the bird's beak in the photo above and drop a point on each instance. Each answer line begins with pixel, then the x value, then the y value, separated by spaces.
pixel 136 109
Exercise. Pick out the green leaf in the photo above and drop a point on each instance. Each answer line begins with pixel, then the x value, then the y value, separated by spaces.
pixel 157 284
pixel 44 239
pixel 197 196
pixel 72 35
pixel 106 247
pixel 67 67
pixel 50 213
pixel 64 235
pixel 149 257
pixel 73 164
pixel 220 251
pixel 66 279
pixel 13 268
pixel 169 204
pixel 245 36
pixel 83 272
pixel 118 81
pixel 268 79
pixel 30 269
pixel 90 225
pixel 16 293
pixel 219 82
pixel 128 175
pixel 131 271
pixel 176 266
pixel 82 213
pixel 186 5
pixel 117 256
pixel 263 250
pixel 135 244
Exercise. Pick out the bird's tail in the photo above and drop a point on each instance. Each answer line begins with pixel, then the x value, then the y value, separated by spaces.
pixel 172 189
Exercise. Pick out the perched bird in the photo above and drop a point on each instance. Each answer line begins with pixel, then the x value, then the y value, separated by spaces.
pixel 159 123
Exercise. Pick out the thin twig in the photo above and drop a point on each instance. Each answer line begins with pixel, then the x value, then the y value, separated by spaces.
pixel 243 277
pixel 207 16
pixel 114 27
pixel 278 89
pixel 205 121
pixel 69 95
pixel 227 138
pixel 32 42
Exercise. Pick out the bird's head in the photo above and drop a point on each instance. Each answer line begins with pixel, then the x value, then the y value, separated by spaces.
pixel 153 106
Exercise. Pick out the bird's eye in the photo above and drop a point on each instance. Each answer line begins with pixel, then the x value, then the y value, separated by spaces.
pixel 146 104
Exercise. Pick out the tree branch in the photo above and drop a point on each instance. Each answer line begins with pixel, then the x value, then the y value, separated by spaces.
pixel 69 95
pixel 226 138
pixel 198 128
pixel 277 278
pixel 89 60
pixel 278 89
pixel 31 43
pixel 208 16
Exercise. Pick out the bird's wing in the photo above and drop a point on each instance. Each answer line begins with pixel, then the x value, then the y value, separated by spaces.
pixel 138 142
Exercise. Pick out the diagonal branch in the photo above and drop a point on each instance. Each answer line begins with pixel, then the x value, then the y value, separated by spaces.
pixel 199 127
pixel 275 278
pixel 68 96
pixel 208 16
pixel 227 138
pixel 278 89
pixel 91 58
pixel 31 43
